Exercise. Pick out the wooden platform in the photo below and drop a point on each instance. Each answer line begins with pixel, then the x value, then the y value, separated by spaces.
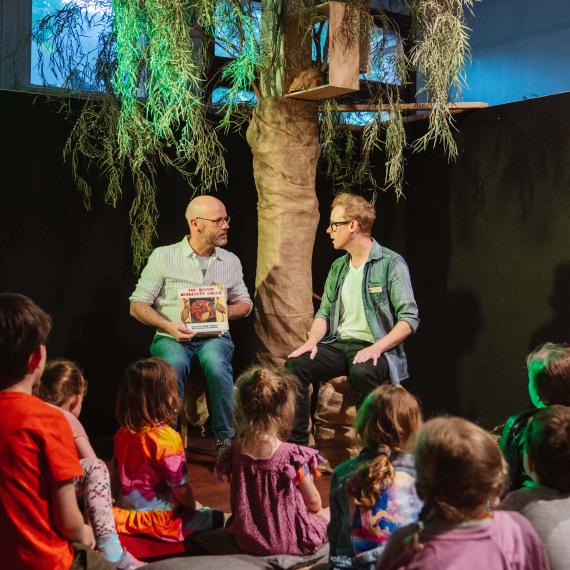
pixel 201 460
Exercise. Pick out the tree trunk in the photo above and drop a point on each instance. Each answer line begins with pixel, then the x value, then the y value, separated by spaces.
pixel 283 136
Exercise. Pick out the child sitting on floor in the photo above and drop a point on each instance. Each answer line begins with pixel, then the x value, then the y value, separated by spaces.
pixel 276 507
pixel 548 384
pixel 155 496
pixel 64 386
pixel 374 494
pixel 547 504
pixel 41 526
pixel 460 476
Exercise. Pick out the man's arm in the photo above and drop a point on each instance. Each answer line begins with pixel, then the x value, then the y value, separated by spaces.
pixel 147 315
pixel 401 331
pixel 320 324
pixel 67 516
pixel 316 333
pixel 239 309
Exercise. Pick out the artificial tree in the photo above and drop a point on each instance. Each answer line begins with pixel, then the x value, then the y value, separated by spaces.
pixel 153 64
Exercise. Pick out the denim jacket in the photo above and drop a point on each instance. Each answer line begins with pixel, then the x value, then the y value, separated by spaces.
pixel 388 298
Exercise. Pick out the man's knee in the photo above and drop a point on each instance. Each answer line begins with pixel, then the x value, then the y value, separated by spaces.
pixel 299 366
pixel 173 352
pixel 362 376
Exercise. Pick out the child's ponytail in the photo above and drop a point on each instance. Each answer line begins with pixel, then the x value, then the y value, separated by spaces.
pixel 386 422
pixel 373 476
pixel 62 379
pixel 265 401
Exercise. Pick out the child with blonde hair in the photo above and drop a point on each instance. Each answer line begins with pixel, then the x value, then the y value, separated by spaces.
pixel 155 495
pixel 461 474
pixel 276 507
pixel 63 386
pixel 374 494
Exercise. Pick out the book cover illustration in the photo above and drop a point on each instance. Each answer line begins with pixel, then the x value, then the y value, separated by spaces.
pixel 203 309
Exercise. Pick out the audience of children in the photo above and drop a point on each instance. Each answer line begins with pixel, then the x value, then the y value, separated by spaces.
pixel 276 507
pixel 155 495
pixel 374 494
pixel 448 489
pixel 64 386
pixel 547 504
pixel 40 524
pixel 548 384
pixel 461 474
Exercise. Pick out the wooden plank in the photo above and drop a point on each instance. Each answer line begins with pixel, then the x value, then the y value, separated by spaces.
pixel 318 93
pixel 363 107
pixel 344 57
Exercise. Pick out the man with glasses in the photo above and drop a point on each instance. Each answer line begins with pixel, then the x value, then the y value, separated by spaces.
pixel 367 311
pixel 195 261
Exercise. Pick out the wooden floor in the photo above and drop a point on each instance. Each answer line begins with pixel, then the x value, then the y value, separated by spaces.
pixel 201 458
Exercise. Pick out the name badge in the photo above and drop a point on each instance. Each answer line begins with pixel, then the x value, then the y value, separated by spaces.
pixel 375 289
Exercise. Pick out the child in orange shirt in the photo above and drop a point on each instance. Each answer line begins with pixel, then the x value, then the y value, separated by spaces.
pixel 41 523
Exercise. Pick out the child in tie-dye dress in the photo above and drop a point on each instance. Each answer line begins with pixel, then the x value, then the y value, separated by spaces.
pixel 155 496
pixel 374 494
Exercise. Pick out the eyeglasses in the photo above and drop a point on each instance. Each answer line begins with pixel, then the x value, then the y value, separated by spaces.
pixel 219 221
pixel 334 225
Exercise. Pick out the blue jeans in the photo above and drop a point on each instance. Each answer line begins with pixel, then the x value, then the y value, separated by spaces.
pixel 215 358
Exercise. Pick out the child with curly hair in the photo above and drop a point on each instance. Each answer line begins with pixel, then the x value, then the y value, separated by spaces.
pixel 276 507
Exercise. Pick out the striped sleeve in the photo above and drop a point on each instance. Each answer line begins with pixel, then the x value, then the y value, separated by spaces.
pixel 238 291
pixel 150 282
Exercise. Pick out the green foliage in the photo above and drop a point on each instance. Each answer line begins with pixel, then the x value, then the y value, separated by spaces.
pixel 439 54
pixel 153 60
pixel 348 158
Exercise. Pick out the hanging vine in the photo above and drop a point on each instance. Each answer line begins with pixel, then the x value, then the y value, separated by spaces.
pixel 152 63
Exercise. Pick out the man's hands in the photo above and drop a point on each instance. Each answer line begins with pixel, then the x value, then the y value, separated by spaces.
pixel 372 352
pixel 180 332
pixel 309 346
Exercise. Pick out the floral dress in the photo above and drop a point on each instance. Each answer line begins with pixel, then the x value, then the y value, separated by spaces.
pixel 269 515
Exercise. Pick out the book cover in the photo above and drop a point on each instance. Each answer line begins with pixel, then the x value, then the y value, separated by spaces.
pixel 204 309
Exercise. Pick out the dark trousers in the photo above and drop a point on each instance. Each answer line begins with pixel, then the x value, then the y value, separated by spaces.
pixel 334 359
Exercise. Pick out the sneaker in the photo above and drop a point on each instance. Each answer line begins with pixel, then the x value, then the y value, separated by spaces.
pixel 128 561
pixel 222 445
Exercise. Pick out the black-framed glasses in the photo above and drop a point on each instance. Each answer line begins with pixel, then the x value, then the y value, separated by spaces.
pixel 334 225
pixel 218 222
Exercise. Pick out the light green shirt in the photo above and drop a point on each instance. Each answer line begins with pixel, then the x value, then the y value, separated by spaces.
pixel 353 323
pixel 174 267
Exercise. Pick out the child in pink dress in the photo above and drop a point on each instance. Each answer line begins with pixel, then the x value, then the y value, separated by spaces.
pixel 276 507
pixel 461 474
pixel 64 386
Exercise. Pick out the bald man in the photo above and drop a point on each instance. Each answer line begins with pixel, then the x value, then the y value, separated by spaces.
pixel 195 261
